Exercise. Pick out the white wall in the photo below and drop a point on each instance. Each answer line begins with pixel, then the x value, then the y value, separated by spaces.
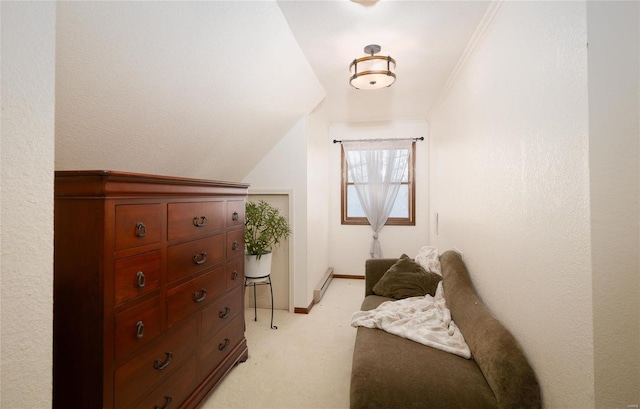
pixel 307 163
pixel 284 168
pixel 350 245
pixel 26 192
pixel 613 32
pixel 510 181
pixel 317 198
pixel 299 164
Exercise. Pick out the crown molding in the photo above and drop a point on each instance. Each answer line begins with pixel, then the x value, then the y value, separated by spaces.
pixel 477 37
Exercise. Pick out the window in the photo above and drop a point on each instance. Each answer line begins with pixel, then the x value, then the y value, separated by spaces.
pixel 403 211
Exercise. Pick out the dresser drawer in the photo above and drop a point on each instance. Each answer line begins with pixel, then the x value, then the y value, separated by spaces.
pixel 235 243
pixel 193 295
pixel 214 350
pixel 221 313
pixel 136 276
pixel 137 225
pixel 235 213
pixel 234 273
pixel 137 326
pixel 188 258
pixel 173 391
pixel 186 219
pixel 154 364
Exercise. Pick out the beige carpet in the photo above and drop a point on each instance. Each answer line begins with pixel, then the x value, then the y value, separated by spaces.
pixel 305 363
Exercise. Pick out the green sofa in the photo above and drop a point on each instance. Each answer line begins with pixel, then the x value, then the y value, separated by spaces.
pixel 393 372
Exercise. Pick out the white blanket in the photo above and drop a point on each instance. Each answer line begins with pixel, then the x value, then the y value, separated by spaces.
pixel 426 320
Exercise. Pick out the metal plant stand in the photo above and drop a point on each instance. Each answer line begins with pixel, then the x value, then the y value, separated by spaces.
pixel 255 281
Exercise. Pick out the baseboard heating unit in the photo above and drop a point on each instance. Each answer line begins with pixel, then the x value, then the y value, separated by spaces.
pixel 322 286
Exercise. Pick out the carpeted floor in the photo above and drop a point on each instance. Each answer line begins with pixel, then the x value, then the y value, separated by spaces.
pixel 304 364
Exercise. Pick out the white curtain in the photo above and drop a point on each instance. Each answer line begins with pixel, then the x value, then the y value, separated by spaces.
pixel 377 169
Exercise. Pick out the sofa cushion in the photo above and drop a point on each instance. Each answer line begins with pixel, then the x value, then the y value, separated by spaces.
pixel 406 278
pixel 393 372
pixel 372 302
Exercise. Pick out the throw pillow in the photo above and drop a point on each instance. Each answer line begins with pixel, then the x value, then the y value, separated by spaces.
pixel 405 279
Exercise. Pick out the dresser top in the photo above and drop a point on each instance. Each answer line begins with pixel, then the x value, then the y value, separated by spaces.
pixel 108 183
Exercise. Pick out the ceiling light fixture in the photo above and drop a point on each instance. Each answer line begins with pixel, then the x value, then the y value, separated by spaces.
pixel 372 71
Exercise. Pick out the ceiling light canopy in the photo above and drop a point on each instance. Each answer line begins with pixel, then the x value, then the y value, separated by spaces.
pixel 372 71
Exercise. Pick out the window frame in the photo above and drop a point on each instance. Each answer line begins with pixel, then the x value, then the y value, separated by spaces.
pixel 410 220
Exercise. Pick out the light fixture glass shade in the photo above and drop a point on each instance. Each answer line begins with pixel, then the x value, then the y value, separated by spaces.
pixel 372 72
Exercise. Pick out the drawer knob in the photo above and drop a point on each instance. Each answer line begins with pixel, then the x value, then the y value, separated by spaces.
pixel 235 245
pixel 223 347
pixel 197 297
pixel 200 258
pixel 159 365
pixel 199 221
pixel 141 280
pixel 234 275
pixel 139 329
pixel 168 400
pixel 224 314
pixel 235 216
pixel 141 230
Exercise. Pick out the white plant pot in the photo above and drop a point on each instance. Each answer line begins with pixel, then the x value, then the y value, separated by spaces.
pixel 254 268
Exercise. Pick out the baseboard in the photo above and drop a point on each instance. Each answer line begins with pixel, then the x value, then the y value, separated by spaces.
pixel 348 276
pixel 300 310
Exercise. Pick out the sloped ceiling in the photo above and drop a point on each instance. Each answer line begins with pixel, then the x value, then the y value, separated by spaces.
pixel 426 38
pixel 193 89
pixel 207 89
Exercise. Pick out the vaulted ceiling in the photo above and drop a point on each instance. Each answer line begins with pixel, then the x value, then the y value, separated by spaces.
pixel 206 89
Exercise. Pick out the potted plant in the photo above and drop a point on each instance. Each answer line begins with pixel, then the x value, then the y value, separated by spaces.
pixel 264 228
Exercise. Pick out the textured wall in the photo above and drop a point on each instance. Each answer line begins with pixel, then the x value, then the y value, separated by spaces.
pixel 613 30
pixel 26 199
pixel 510 181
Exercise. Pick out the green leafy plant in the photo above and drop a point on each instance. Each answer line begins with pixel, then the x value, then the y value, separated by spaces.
pixel 264 228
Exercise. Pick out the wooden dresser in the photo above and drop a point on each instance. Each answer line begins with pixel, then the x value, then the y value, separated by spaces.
pixel 148 289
